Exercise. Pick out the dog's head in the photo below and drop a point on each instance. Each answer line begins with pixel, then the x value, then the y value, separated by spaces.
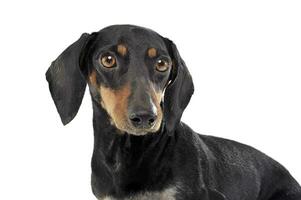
pixel 133 73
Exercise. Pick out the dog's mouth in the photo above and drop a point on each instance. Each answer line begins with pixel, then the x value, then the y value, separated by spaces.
pixel 130 129
pixel 134 125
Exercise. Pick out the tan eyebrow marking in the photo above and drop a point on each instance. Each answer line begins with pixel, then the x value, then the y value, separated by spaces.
pixel 151 52
pixel 121 49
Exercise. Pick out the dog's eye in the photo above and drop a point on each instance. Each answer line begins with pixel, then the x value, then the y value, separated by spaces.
pixel 108 61
pixel 162 65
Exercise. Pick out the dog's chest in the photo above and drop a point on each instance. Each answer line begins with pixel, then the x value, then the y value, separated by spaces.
pixel 167 194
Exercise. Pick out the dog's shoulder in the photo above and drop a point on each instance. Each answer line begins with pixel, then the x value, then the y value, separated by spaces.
pixel 226 159
pixel 232 152
pixel 225 151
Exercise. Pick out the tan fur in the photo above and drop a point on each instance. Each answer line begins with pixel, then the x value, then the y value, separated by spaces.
pixel 152 52
pixel 92 78
pixel 157 97
pixel 115 102
pixel 121 49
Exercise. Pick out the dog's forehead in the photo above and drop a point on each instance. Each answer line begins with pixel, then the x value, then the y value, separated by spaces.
pixel 132 36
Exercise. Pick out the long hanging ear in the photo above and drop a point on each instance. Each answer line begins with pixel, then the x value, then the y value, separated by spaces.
pixel 66 82
pixel 179 90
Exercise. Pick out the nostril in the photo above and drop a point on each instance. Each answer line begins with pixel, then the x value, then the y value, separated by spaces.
pixel 136 120
pixel 151 121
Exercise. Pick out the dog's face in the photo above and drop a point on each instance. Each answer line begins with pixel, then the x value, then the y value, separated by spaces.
pixel 128 69
pixel 128 72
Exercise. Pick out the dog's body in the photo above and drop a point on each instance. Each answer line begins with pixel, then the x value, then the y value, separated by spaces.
pixel 140 86
pixel 178 167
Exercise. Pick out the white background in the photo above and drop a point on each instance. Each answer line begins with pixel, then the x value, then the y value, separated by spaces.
pixel 244 56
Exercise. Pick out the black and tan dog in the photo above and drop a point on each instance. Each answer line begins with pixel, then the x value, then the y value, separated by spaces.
pixel 140 87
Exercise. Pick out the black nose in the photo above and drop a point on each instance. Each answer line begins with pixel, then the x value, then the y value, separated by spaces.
pixel 142 118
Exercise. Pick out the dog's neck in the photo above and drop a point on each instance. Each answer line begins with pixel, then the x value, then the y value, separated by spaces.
pixel 129 162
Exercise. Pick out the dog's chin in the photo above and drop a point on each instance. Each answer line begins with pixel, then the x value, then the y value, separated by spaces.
pixel 137 131
pixel 140 132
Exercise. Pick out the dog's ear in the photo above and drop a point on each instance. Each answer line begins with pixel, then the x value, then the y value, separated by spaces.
pixel 179 90
pixel 66 82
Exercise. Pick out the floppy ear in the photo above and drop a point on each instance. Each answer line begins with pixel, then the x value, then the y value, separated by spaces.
pixel 66 82
pixel 179 90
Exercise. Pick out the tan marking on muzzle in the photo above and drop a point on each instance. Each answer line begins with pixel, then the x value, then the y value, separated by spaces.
pixel 152 52
pixel 157 98
pixel 115 102
pixel 121 49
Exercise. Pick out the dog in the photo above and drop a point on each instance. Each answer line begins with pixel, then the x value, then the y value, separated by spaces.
pixel 139 87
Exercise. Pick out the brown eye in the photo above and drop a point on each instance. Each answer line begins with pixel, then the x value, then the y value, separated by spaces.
pixel 108 61
pixel 162 65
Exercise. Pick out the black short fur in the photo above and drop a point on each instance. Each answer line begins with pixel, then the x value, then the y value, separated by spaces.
pixel 123 165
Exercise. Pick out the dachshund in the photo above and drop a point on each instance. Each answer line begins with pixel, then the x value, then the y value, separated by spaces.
pixel 139 87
